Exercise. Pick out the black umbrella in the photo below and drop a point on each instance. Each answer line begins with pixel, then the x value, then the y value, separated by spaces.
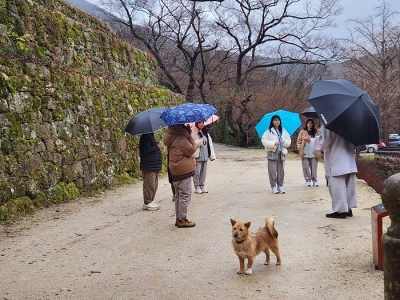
pixel 310 113
pixel 346 110
pixel 146 121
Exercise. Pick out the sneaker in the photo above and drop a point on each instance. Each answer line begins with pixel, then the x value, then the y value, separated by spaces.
pixel 151 206
pixel 204 190
pixel 337 215
pixel 275 190
pixel 315 183
pixel 198 190
pixel 185 223
pixel 281 190
pixel 308 182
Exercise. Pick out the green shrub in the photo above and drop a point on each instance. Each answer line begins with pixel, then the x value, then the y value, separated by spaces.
pixel 16 207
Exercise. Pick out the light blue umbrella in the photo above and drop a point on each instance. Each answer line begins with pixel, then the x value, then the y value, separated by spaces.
pixel 188 113
pixel 289 120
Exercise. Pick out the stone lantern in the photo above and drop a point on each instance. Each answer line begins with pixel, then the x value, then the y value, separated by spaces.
pixel 391 239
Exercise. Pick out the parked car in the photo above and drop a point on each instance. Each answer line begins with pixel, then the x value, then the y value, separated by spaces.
pixel 395 143
pixel 393 137
pixel 371 148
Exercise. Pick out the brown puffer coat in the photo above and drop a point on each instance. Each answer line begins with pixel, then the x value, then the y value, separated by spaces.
pixel 181 148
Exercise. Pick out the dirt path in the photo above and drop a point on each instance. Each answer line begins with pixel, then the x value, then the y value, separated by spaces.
pixel 108 248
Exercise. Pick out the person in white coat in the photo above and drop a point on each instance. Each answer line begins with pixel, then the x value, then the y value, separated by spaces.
pixel 341 169
pixel 203 153
pixel 276 140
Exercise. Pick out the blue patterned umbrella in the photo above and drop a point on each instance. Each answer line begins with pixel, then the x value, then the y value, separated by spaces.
pixel 290 121
pixel 187 113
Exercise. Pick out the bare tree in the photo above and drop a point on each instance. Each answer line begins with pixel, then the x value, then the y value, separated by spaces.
pixel 373 55
pixel 175 32
pixel 266 34
pixel 219 52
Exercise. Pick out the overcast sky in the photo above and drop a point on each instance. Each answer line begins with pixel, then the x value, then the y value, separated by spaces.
pixel 359 10
pixel 352 9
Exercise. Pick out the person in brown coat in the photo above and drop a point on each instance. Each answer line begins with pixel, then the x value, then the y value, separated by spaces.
pixel 181 148
pixel 309 159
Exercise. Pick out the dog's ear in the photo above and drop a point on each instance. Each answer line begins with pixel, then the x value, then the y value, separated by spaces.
pixel 247 224
pixel 233 222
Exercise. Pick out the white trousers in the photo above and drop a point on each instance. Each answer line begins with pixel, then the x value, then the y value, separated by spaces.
pixel 343 192
pixel 199 178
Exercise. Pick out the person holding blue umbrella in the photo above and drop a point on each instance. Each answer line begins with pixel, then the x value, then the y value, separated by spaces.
pixel 182 164
pixel 276 140
pixel 181 148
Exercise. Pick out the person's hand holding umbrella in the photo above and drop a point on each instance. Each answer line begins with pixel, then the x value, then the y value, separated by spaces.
pixel 188 128
pixel 280 142
pixel 307 138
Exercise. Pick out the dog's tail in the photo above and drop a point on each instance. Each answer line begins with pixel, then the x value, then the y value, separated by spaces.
pixel 269 224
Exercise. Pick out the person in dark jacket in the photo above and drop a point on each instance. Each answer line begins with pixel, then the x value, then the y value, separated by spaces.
pixel 150 164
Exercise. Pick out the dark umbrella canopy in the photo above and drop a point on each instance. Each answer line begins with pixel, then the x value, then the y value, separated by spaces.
pixel 310 112
pixel 146 122
pixel 188 113
pixel 346 110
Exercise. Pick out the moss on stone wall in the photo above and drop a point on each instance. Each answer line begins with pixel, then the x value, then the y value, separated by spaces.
pixel 15 208
pixel 68 87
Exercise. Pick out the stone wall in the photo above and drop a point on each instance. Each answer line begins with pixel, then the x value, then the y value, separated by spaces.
pixel 68 87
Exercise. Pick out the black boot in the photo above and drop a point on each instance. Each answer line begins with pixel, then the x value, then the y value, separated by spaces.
pixel 337 215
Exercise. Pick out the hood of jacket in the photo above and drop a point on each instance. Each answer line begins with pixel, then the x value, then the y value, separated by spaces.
pixel 181 148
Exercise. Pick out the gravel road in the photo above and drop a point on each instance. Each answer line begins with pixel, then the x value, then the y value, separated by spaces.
pixel 106 247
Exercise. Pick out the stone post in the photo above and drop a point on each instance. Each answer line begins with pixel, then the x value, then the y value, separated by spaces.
pixel 391 240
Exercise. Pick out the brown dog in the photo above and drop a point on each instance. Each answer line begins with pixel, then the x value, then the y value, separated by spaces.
pixel 249 245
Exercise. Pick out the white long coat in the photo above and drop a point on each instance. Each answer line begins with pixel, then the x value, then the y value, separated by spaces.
pixel 270 137
pixel 340 167
pixel 338 153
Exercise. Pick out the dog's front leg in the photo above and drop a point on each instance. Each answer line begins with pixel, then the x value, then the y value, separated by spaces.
pixel 241 268
pixel 250 261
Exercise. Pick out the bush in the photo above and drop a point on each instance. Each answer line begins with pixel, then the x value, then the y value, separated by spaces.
pixel 372 173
